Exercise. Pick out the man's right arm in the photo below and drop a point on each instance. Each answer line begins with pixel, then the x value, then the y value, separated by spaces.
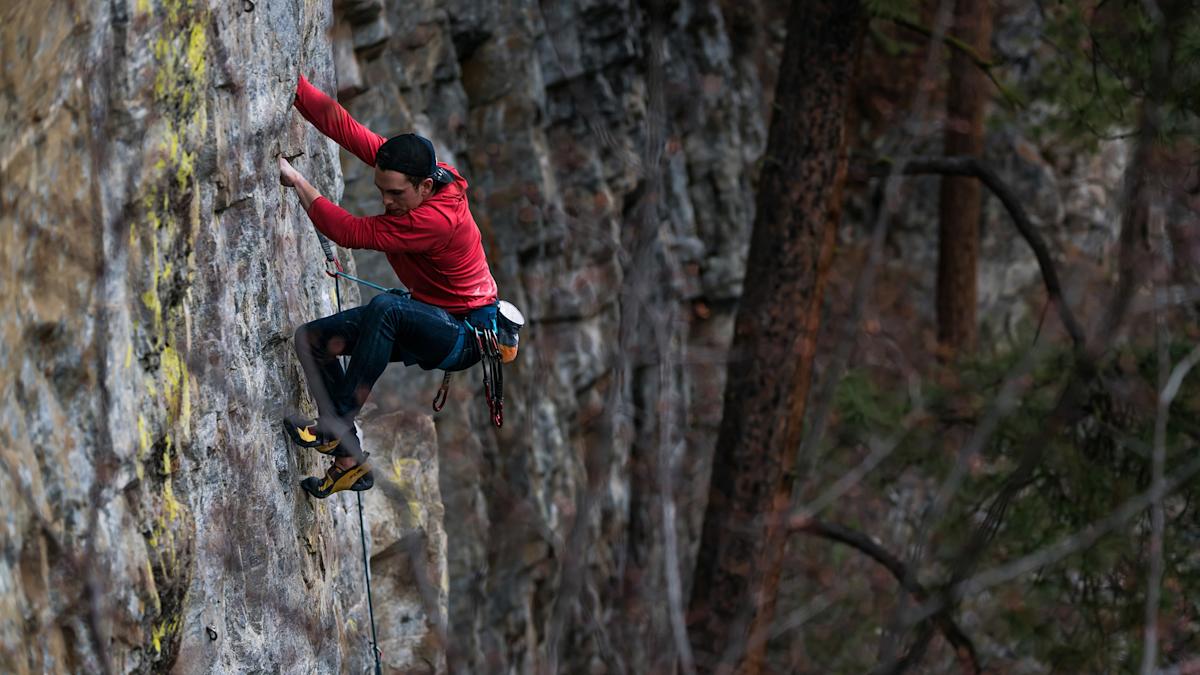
pixel 331 119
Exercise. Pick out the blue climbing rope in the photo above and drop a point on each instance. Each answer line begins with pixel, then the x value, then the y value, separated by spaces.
pixel 334 269
pixel 364 282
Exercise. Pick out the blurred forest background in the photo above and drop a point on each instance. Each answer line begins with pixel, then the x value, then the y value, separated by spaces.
pixel 997 455
pixel 861 339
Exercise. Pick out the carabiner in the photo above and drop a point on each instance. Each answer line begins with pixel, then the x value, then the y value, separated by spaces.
pixel 333 267
pixel 439 399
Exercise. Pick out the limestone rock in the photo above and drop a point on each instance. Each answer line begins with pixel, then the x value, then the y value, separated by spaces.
pixel 157 271
pixel 543 108
pixel 408 543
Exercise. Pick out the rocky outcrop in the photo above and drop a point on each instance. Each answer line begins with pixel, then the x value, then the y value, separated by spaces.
pixel 547 109
pixel 156 273
pixel 408 543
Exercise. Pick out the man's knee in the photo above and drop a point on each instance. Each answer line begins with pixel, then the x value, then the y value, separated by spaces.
pixel 305 338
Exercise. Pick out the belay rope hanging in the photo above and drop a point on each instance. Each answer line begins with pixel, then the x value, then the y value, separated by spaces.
pixel 497 345
pixel 335 271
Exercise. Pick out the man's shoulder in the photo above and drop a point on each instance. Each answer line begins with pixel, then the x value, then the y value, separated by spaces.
pixel 451 195
pixel 439 210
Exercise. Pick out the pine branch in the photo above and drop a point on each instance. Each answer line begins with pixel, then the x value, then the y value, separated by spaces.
pixel 987 66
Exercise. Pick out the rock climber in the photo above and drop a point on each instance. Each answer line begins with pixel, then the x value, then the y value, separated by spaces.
pixel 435 248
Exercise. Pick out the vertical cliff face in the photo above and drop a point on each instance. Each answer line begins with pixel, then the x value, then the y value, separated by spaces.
pixel 589 165
pixel 155 273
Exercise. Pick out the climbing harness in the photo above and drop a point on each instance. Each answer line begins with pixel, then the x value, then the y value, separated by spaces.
pixel 334 269
pixel 497 343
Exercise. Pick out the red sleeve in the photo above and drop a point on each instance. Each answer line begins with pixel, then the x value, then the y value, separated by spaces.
pixel 332 120
pixel 417 231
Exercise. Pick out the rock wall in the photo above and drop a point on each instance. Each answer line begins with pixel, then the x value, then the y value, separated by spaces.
pixel 549 111
pixel 156 271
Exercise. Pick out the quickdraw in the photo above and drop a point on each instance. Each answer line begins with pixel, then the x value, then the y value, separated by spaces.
pixel 493 376
pixel 333 268
pixel 439 399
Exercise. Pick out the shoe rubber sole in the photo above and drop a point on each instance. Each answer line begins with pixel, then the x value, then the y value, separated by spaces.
pixel 356 479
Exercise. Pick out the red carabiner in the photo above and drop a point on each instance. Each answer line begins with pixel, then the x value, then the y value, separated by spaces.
pixel 333 267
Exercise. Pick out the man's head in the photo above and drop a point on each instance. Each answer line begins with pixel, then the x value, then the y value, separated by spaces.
pixel 406 173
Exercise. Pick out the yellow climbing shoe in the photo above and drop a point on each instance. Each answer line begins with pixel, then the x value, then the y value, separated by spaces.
pixel 307 433
pixel 357 478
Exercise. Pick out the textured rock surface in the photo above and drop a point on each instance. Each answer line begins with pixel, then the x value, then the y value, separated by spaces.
pixel 410 582
pixel 156 271
pixel 544 108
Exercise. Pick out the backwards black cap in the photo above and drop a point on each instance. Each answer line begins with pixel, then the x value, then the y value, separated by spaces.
pixel 412 155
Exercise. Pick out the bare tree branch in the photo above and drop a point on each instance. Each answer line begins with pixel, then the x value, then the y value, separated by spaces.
pixel 973 167
pixel 1169 384
pixel 964 647
pixel 1083 374
pixel 1055 552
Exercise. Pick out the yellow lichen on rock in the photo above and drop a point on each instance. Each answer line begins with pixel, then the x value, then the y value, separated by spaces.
pixel 162 630
pixel 169 193
pixel 175 385
pixel 197 46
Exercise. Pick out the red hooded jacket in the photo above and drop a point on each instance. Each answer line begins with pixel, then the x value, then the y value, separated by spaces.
pixel 435 249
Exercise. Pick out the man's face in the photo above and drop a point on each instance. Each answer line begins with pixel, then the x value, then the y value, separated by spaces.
pixel 398 194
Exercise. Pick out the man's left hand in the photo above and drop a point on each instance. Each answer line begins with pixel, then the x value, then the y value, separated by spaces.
pixel 288 175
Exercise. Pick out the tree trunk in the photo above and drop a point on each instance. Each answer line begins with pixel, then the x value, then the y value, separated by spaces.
pixel 958 233
pixel 798 207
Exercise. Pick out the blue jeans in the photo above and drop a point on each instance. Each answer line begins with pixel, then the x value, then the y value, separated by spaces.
pixel 392 327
